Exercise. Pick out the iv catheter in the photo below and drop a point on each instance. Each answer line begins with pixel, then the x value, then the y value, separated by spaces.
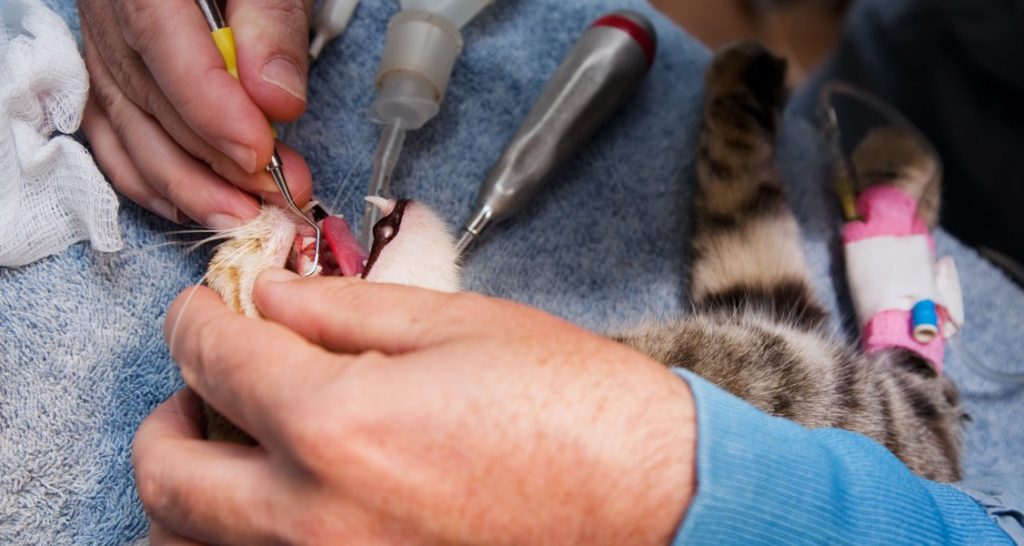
pixel 225 41
pixel 423 42
pixel 604 67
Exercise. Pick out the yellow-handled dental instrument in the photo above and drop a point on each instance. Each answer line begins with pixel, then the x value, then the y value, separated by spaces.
pixel 225 42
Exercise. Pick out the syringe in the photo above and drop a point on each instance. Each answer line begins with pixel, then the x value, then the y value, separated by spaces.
pixel 423 42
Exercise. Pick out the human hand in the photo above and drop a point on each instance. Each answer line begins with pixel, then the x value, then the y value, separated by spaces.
pixel 171 128
pixel 396 415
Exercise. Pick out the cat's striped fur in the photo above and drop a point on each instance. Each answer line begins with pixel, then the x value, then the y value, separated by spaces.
pixel 757 328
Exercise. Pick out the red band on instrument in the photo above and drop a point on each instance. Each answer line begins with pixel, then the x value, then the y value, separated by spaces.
pixel 638 33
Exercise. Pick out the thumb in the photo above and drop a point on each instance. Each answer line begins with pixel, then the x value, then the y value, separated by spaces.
pixel 272 39
pixel 348 315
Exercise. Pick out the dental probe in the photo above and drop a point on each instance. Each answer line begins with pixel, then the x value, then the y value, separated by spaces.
pixel 225 41
pixel 607 63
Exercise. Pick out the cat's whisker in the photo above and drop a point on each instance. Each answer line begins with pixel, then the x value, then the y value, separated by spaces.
pixel 218 237
pixel 131 252
pixel 191 231
pixel 184 306
pixel 341 187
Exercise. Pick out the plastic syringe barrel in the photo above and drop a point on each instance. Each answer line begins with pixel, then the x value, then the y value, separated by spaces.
pixel 599 73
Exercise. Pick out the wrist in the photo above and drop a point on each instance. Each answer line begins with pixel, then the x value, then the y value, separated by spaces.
pixel 645 498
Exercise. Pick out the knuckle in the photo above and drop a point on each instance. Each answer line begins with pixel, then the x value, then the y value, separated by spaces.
pixel 286 10
pixel 468 307
pixel 319 442
pixel 148 481
pixel 218 162
pixel 311 446
pixel 110 98
pixel 141 19
pixel 207 341
pixel 138 85
pixel 186 101
pixel 314 440
pixel 342 293
pixel 301 527
pixel 169 181
pixel 462 302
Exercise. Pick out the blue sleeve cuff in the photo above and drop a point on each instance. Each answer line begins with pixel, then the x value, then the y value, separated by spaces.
pixel 767 480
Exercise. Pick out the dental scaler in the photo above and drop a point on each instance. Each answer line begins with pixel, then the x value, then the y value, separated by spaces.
pixel 599 73
pixel 422 44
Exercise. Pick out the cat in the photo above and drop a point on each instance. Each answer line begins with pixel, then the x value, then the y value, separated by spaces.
pixel 757 330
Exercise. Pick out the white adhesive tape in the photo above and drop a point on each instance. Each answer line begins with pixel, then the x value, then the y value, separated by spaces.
pixel 889 273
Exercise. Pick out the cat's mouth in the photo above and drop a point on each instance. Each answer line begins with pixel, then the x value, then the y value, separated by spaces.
pixel 341 254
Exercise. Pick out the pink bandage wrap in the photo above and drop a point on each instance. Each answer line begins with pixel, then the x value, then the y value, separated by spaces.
pixel 890 212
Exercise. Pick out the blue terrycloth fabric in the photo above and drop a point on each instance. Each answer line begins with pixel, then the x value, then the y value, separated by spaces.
pixel 766 480
pixel 82 359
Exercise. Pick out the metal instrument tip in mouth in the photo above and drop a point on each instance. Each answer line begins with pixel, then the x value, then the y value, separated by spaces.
pixel 276 170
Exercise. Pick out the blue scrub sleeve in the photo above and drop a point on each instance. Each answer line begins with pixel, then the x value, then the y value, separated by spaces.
pixel 767 480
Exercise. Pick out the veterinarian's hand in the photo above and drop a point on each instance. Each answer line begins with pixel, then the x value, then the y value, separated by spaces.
pixel 396 415
pixel 171 128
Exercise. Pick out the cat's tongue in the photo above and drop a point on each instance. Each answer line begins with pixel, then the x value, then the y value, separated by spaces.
pixel 346 251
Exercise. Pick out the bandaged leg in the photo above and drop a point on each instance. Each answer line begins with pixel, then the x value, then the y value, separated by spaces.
pixel 891 271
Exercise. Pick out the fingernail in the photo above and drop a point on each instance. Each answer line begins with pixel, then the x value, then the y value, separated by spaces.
pixel 166 209
pixel 284 74
pixel 222 221
pixel 276 274
pixel 239 153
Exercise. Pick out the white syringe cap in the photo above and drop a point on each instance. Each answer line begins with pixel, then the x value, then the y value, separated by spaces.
pixel 415 67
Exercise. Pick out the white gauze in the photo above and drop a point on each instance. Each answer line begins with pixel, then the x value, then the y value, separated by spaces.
pixel 51 193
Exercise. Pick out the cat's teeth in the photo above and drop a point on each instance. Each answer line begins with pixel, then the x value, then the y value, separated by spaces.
pixel 385 205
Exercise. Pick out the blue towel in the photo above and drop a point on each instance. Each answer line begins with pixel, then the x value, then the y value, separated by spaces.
pixel 82 358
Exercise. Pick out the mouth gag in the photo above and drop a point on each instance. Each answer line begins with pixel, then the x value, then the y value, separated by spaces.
pixel 225 42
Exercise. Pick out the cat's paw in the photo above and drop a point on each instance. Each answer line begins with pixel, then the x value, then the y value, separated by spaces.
pixel 896 156
pixel 747 78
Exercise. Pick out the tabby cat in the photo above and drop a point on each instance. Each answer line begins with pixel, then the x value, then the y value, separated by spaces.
pixel 757 329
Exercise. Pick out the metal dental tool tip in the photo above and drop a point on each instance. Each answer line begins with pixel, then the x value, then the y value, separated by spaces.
pixel 276 170
pixel 600 72
pixel 464 242
pixel 224 39
pixel 473 228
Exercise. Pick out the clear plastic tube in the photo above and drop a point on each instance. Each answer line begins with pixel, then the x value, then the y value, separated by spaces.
pixel 980 368
pixel 389 148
